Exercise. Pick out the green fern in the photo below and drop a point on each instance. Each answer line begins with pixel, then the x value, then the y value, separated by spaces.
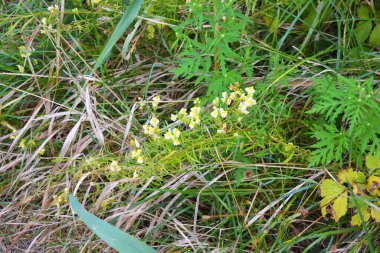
pixel 351 116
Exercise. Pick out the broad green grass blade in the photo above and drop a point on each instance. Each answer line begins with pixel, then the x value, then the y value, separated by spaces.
pixel 123 24
pixel 114 237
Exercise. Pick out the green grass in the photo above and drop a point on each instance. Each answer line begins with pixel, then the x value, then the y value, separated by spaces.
pixel 77 105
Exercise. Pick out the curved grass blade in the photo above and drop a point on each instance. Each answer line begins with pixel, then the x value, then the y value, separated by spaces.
pixel 114 237
pixel 123 24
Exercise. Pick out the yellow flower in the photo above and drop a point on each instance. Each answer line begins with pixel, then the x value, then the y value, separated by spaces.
pixel 195 112
pixel 149 130
pixel 155 102
pixel 192 125
pixel 114 166
pixel 233 95
pixel 41 151
pixel 176 132
pixel 250 90
pixel 136 153
pixel 140 159
pixel 250 101
pixel 173 117
pixel 13 135
pixel 234 86
pixel 22 143
pixel 135 175
pixel 168 135
pixel 146 129
pixel 154 121
pixel 223 113
pixel 183 112
pixel 224 97
pixel 21 68
pixel 173 135
pixel 214 113
pixel 243 108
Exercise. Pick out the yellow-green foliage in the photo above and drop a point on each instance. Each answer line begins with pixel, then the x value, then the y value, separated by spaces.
pixel 362 192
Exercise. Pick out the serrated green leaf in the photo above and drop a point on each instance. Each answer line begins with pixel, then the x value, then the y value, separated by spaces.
pixel 335 193
pixel 363 30
pixel 348 176
pixel 114 237
pixel 374 39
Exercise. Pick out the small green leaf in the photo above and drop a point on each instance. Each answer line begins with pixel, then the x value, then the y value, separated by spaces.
pixel 335 193
pixel 363 30
pixel 372 162
pixel 340 206
pixel 363 11
pixel 374 39
pixel 356 220
pixel 375 213
pixel 114 237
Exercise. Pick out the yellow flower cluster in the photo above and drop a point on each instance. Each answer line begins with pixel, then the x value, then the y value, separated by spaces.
pixel 136 151
pixel 41 151
pixel 173 135
pixel 152 127
pixel 229 108
pixel 13 135
pixel 192 119
pixel 236 102
pixel 114 166
pixel 24 144
pixel 21 68
pixel 155 102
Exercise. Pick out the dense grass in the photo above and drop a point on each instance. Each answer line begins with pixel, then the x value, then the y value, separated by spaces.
pixel 66 127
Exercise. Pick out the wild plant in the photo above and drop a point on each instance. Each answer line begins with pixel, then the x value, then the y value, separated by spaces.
pixel 211 52
pixel 346 112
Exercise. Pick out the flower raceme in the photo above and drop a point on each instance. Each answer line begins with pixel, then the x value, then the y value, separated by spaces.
pixel 227 110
